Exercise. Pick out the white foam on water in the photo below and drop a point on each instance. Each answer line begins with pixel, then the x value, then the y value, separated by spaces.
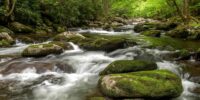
pixel 74 88
pixel 169 66
pixel 87 66
pixel 187 85
pixel 12 50
pixel 75 47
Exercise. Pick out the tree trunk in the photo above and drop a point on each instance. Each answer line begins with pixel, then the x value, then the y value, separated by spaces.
pixel 186 11
pixel 106 7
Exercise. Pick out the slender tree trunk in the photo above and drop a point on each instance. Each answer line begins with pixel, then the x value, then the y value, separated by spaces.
pixel 186 11
pixel 11 8
pixel 106 4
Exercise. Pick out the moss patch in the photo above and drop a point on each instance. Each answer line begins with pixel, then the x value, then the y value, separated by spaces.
pixel 144 84
pixel 124 66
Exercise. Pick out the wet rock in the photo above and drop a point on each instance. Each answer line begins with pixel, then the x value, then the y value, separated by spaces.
pixel 165 26
pixel 95 41
pixel 125 66
pixel 6 36
pixel 5 29
pixel 195 90
pixel 6 40
pixel 144 84
pixel 38 66
pixel 67 36
pixel 120 20
pixel 123 28
pixel 192 69
pixel 40 50
pixel 194 34
pixel 25 39
pixel 40 31
pixel 179 32
pixel 20 28
pixel 64 45
pixel 153 33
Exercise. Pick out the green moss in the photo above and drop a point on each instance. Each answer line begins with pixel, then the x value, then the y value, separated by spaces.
pixel 64 45
pixel 4 29
pixel 97 42
pixel 20 28
pixel 144 84
pixel 167 43
pixel 153 33
pixel 97 98
pixel 165 26
pixel 5 43
pixel 124 66
pixel 179 32
pixel 41 50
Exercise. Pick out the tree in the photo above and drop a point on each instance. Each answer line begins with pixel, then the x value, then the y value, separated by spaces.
pixel 183 9
pixel 106 6
pixel 9 7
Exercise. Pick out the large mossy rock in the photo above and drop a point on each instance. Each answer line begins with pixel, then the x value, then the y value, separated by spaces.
pixel 153 33
pixel 165 26
pixel 124 66
pixel 5 39
pixel 144 84
pixel 5 29
pixel 95 41
pixel 179 32
pixel 20 28
pixel 41 50
pixel 194 34
pixel 68 36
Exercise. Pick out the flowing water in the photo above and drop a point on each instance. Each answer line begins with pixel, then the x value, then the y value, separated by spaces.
pixel 80 74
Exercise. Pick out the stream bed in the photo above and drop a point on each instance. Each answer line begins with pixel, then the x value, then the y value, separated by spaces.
pixel 73 74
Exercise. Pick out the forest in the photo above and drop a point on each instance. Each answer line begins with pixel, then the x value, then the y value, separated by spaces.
pixel 99 49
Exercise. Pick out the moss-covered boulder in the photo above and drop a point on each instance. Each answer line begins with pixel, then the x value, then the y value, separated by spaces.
pixel 153 33
pixel 144 84
pixel 68 36
pixel 144 26
pixel 194 34
pixel 179 32
pixel 20 28
pixel 95 41
pixel 165 26
pixel 41 50
pixel 124 66
pixel 64 45
pixel 6 40
pixel 5 29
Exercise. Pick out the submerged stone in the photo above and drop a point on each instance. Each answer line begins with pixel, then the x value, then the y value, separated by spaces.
pixel 144 84
pixel 125 66
pixel 39 67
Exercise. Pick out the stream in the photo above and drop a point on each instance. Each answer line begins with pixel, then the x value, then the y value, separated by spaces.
pixel 74 73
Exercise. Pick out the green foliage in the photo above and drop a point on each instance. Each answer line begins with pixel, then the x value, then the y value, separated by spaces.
pixel 64 12
pixel 142 8
pixel 28 11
